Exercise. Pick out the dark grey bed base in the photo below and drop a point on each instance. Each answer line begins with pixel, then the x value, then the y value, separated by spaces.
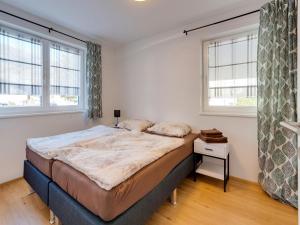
pixel 70 212
pixel 37 180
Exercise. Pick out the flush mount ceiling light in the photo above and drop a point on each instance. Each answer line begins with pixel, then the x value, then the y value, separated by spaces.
pixel 139 0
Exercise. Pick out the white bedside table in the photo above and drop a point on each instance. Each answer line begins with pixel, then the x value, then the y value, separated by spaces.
pixel 213 150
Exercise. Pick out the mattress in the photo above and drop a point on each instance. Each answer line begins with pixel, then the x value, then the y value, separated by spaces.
pixel 43 164
pixel 109 204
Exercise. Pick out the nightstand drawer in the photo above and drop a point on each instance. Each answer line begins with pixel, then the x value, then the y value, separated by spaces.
pixel 212 149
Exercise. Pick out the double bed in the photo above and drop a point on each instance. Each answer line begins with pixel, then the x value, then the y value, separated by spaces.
pixel 76 197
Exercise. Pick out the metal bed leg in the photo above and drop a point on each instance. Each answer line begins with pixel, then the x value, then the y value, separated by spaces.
pixel 52 217
pixel 31 191
pixel 174 197
pixel 57 221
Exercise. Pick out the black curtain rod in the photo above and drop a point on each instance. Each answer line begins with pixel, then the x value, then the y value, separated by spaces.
pixel 50 29
pixel 222 21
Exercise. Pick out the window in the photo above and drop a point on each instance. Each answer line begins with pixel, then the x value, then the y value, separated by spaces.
pixel 38 75
pixel 65 63
pixel 21 70
pixel 230 76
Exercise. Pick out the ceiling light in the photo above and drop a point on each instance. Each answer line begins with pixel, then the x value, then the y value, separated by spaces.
pixel 139 0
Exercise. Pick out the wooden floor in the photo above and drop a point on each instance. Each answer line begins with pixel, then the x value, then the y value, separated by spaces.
pixel 200 203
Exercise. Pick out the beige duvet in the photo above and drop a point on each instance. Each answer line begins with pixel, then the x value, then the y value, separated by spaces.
pixel 111 159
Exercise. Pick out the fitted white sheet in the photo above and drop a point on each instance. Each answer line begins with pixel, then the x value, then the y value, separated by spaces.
pixel 48 147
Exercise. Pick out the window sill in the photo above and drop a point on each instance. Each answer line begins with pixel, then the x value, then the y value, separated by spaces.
pixel 39 113
pixel 225 114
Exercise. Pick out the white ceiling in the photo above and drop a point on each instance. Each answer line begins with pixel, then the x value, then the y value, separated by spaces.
pixel 123 21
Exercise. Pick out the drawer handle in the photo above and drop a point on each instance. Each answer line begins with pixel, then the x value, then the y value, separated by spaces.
pixel 209 149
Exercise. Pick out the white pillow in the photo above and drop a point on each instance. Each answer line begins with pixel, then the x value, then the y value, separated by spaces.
pixel 136 125
pixel 170 129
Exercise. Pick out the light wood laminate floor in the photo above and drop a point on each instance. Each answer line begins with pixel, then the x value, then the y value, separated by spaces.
pixel 200 203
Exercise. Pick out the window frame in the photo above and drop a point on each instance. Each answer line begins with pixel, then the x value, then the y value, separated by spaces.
pixel 45 107
pixel 206 109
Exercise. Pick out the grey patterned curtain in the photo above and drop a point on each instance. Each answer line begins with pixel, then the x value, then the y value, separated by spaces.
pixel 94 80
pixel 277 71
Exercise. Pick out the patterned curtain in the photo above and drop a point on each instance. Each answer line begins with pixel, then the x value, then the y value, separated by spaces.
pixel 277 71
pixel 94 80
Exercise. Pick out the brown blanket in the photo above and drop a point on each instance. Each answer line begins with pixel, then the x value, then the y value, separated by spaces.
pixel 213 139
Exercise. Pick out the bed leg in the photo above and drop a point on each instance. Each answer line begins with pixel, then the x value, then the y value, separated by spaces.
pixel 30 189
pixel 57 221
pixel 174 197
pixel 52 217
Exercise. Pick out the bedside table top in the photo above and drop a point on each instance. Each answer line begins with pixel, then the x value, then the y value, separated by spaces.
pixel 212 144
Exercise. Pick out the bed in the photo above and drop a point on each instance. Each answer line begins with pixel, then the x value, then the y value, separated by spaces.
pixel 38 170
pixel 130 202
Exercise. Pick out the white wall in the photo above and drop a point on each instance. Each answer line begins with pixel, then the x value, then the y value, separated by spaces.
pixel 15 131
pixel 160 80
pixel 156 78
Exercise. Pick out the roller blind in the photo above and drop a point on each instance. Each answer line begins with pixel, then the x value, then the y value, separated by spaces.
pixel 21 69
pixel 65 70
pixel 232 76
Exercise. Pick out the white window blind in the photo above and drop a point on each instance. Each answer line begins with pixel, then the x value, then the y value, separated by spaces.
pixel 65 67
pixel 21 69
pixel 230 72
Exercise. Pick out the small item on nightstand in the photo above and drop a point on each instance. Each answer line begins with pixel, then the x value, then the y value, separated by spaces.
pixel 212 136
pixel 117 114
pixel 212 132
